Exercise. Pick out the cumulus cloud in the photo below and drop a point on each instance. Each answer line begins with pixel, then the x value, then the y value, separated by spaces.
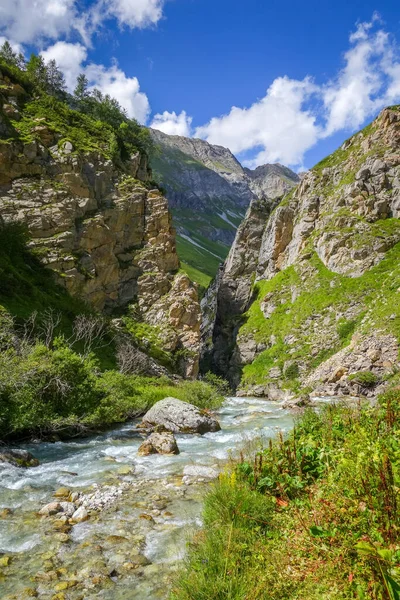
pixel 173 124
pixel 25 21
pixel 135 13
pixel 69 58
pixel 31 21
pixel 370 76
pixel 278 123
pixel 294 114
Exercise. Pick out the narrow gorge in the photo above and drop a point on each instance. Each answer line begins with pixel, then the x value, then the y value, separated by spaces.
pixel 190 346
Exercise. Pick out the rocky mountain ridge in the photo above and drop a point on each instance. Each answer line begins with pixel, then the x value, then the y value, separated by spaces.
pixel 309 295
pixel 209 192
pixel 103 229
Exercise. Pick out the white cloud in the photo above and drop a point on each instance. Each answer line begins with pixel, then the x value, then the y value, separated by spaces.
pixel 31 21
pixel 112 80
pixel 295 114
pixel 18 48
pixel 173 124
pixel 125 89
pixel 136 13
pixel 278 123
pixel 363 85
pixel 69 57
pixel 27 21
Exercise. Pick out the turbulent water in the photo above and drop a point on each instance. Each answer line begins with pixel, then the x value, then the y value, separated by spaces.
pixel 151 513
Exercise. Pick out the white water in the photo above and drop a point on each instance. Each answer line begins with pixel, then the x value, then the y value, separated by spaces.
pixel 81 464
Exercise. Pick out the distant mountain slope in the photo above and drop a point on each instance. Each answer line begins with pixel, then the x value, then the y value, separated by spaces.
pixel 209 191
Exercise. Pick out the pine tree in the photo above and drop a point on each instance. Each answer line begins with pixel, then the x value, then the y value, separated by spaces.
pixel 8 55
pixel 81 90
pixel 37 71
pixel 55 84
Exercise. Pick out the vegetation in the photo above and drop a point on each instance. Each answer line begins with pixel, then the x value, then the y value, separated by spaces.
pixel 320 296
pixel 202 279
pixel 90 120
pixel 60 364
pixel 313 516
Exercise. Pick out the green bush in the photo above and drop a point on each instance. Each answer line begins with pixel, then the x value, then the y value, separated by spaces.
pixel 292 371
pixel 364 378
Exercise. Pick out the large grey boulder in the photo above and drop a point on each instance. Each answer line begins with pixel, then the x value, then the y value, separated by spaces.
pixel 177 416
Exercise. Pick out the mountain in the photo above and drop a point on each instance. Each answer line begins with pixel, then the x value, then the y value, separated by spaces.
pixel 95 220
pixel 209 192
pixel 309 296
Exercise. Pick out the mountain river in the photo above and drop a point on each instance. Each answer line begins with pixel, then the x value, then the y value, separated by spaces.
pixel 132 547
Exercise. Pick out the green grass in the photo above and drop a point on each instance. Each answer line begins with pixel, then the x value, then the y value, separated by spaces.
pixel 202 279
pixel 322 295
pixel 198 258
pixel 310 517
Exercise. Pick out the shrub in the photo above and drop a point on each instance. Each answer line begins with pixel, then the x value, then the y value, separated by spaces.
pixel 364 378
pixel 292 371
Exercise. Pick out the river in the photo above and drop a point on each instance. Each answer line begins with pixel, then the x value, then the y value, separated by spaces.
pixel 132 548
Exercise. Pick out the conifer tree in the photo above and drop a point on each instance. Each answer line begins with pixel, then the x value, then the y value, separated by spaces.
pixel 55 84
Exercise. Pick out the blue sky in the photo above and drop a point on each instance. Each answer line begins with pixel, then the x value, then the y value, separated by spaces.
pixel 302 76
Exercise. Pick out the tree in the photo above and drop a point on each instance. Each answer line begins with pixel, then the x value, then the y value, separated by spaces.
pixel 37 71
pixel 81 90
pixel 9 56
pixel 55 84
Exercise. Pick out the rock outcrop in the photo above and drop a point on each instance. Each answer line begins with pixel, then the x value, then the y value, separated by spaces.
pixel 100 226
pixel 177 416
pixel 284 299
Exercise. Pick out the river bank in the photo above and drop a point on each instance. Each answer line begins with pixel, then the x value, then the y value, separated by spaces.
pixel 131 547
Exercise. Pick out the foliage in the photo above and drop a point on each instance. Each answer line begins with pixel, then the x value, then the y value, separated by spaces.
pixel 319 299
pixel 311 516
pixel 364 378
pixel 44 389
pixel 99 123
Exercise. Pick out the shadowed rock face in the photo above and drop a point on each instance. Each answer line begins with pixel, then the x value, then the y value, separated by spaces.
pixel 345 212
pixel 177 416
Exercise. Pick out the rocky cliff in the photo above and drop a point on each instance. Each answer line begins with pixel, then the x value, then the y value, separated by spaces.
pixel 309 297
pixel 209 192
pixel 100 225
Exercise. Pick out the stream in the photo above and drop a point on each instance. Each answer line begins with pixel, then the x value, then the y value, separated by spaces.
pixel 131 549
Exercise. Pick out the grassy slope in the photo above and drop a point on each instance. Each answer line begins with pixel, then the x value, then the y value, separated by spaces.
pixel 313 517
pixel 324 294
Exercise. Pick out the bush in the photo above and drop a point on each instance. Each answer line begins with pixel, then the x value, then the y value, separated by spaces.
pixel 292 371
pixel 364 378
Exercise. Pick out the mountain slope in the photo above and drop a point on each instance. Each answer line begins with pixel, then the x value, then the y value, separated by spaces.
pixel 209 192
pixel 94 218
pixel 310 298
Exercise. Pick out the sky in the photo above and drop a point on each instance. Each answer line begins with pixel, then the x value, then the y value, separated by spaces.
pixel 272 81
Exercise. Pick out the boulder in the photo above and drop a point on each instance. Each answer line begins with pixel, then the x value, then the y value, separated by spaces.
pixel 177 416
pixel 18 458
pixel 159 443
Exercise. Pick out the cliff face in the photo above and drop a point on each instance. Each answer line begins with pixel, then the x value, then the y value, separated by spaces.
pixel 209 192
pixel 99 227
pixel 323 278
